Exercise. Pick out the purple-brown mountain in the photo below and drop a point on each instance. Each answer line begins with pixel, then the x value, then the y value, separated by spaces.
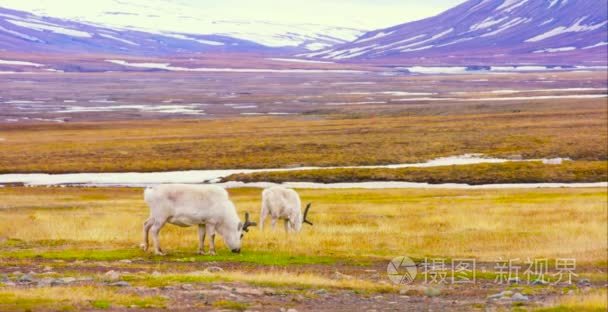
pixel 489 31
pixel 25 32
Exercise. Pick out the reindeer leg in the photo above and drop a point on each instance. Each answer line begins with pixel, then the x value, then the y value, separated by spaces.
pixel 273 222
pixel 210 229
pixel 287 227
pixel 155 230
pixel 201 239
pixel 263 215
pixel 147 225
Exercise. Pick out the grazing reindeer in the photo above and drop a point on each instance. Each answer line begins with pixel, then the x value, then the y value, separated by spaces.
pixel 207 206
pixel 283 203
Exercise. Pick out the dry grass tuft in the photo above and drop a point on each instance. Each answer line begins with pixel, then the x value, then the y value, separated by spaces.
pixel 349 223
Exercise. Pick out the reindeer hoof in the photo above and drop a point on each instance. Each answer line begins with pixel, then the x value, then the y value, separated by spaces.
pixel 143 247
pixel 212 253
pixel 159 253
pixel 201 252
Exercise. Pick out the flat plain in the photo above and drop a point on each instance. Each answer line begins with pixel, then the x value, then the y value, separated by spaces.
pixel 84 233
pixel 66 248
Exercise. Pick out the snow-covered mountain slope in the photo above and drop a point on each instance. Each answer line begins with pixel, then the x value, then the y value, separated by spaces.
pixel 505 30
pixel 175 17
pixel 25 32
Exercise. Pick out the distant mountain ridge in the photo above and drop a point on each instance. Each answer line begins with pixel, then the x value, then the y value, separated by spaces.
pixel 503 30
pixel 20 30
pixel 25 32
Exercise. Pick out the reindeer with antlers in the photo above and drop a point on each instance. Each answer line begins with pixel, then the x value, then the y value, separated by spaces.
pixel 206 206
pixel 283 203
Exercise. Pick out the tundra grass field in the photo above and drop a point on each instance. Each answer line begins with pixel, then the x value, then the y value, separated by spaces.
pixel 557 130
pixel 85 240
pixel 77 248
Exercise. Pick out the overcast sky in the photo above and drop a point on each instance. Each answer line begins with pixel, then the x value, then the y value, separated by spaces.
pixel 365 14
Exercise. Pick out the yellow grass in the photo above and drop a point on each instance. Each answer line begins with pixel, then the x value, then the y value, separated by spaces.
pixel 63 297
pixel 554 131
pixel 268 278
pixel 485 224
pixel 593 300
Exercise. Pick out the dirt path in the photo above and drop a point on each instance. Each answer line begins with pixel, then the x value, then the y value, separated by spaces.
pixel 186 296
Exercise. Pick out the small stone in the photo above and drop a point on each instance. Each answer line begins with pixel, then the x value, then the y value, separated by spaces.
pixel 292 310
pixel 17 273
pixel 432 292
pixel 268 292
pixel 514 280
pixel 156 273
pixel 120 284
pixel 213 269
pixel 341 276
pixel 540 282
pixel 379 297
pixel 112 275
pixel 320 291
pixel 9 283
pixel 47 273
pixel 519 297
pixel 495 296
pixel 85 279
pixel 57 282
pixel 45 282
pixel 298 298
pixel 584 282
pixel 25 278
pixel 125 261
pixel 47 268
pixel 200 296
pixel 187 287
pixel 68 280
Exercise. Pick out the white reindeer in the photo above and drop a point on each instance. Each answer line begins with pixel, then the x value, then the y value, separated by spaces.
pixel 207 206
pixel 283 203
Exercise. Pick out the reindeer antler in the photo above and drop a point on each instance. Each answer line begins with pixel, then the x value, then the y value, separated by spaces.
pixel 247 223
pixel 304 220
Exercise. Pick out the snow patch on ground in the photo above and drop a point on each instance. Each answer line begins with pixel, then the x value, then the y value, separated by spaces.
pixel 19 63
pixel 553 50
pixel 576 27
pixel 298 60
pixel 488 22
pixel 188 109
pixel 55 29
pixel 510 5
pixel 205 176
pixel 167 66
pixel 118 39
pixel 375 36
pixel 599 44
pixel 409 185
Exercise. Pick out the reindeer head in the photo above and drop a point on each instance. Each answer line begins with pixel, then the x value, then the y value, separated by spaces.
pixel 234 238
